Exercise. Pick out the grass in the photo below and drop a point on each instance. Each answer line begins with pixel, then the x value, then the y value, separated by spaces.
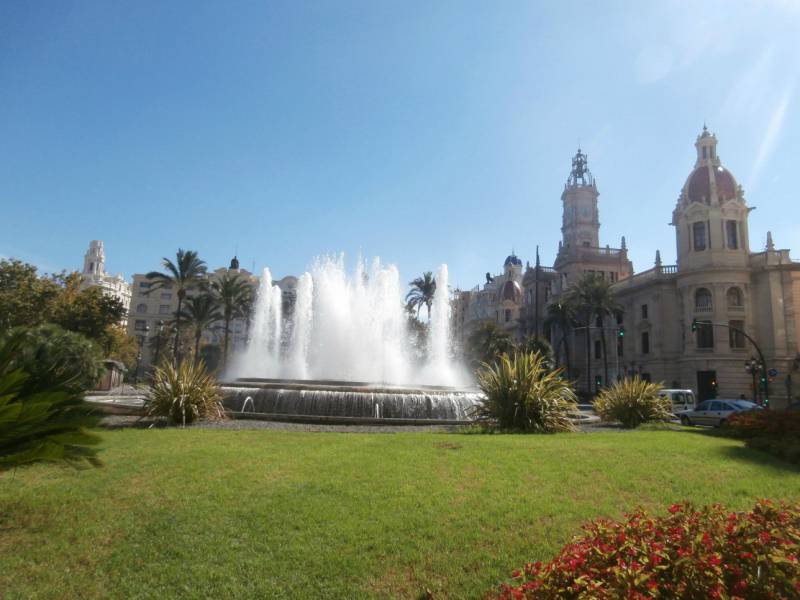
pixel 207 513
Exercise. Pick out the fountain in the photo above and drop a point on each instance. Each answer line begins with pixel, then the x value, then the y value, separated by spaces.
pixel 344 353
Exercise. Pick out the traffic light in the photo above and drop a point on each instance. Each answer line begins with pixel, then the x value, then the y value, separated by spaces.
pixel 621 332
pixel 694 325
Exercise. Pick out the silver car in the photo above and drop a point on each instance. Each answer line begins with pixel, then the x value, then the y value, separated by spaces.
pixel 714 412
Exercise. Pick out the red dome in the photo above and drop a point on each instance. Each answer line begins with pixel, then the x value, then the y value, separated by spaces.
pixel 511 291
pixel 698 187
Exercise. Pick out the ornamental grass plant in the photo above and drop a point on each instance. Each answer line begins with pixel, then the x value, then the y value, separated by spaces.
pixel 690 552
pixel 184 394
pixel 633 402
pixel 522 394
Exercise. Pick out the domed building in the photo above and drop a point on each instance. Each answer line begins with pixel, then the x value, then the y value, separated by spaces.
pixel 733 296
pixel 691 325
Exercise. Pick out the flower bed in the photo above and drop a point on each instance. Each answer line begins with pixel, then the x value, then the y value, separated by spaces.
pixel 691 552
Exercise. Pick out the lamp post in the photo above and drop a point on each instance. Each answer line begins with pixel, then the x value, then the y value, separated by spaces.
pixel 753 367
pixel 142 339
pixel 158 341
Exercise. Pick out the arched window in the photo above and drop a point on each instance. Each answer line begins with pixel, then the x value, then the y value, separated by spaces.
pixel 141 308
pixel 735 298
pixel 702 300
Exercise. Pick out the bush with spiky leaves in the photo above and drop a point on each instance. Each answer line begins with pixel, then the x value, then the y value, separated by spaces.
pixel 41 419
pixel 184 394
pixel 523 394
pixel 633 402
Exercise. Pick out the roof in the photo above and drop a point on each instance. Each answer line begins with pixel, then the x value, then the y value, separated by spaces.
pixel 698 185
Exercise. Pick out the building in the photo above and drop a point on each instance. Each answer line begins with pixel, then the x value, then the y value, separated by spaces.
pixel 717 280
pixel 152 310
pixel 688 325
pixel 94 275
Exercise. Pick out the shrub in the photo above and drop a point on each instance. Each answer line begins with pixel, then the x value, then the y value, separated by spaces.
pixel 689 553
pixel 184 394
pixel 633 402
pixel 56 358
pixel 775 432
pixel 523 394
pixel 41 418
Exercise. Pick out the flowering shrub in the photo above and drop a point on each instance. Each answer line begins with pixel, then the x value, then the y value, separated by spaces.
pixel 776 432
pixel 689 553
pixel 758 423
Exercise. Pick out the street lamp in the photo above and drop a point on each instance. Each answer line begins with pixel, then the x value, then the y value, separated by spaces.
pixel 142 339
pixel 158 341
pixel 753 367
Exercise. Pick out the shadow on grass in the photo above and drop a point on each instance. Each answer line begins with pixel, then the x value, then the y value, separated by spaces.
pixel 743 452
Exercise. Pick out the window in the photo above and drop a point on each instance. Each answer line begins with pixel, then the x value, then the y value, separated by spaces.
pixel 699 230
pixel 705 335
pixel 613 276
pixel 598 350
pixel 163 309
pixel 737 339
pixel 644 311
pixel 702 300
pixel 645 342
pixel 166 296
pixel 704 406
pixel 732 230
pixel 140 325
pixel 705 150
pixel 144 284
pixel 716 406
pixel 598 321
pixel 508 315
pixel 735 299
pixel 141 308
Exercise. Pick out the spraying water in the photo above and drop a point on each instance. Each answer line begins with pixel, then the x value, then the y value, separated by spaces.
pixel 347 327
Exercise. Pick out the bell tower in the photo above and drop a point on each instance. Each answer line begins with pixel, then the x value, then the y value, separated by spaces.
pixel 580 226
pixel 94 261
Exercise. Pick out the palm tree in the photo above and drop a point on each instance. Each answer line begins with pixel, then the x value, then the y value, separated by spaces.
pixel 538 345
pixel 200 313
pixel 561 315
pixel 232 294
pixel 595 301
pixel 488 342
pixel 421 293
pixel 184 274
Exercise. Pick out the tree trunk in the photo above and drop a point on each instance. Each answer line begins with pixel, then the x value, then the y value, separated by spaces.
pixel 566 357
pixel 197 337
pixel 588 358
pixel 176 357
pixel 225 341
pixel 557 351
pixel 605 356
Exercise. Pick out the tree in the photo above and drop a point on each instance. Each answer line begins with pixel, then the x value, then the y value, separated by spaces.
pixel 488 342
pixel 186 273
pixel 538 345
pixel 594 300
pixel 25 298
pixel 561 315
pixel 200 313
pixel 232 294
pixel 421 293
pixel 89 312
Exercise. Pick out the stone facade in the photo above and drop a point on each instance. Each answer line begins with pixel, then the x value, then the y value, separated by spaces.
pixel 94 275
pixel 717 280
pixel 151 311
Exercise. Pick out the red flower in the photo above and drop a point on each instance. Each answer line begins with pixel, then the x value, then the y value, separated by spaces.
pixel 675 508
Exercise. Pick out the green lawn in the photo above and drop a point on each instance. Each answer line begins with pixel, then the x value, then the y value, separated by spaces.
pixel 213 513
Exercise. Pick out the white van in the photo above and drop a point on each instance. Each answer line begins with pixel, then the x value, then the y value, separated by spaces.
pixel 681 399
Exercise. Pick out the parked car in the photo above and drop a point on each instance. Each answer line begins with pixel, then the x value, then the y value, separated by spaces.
pixel 681 399
pixel 714 412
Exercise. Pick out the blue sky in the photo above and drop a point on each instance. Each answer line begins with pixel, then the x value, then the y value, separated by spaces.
pixel 422 132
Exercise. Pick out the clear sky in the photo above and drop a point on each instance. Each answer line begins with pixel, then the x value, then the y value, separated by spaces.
pixel 422 132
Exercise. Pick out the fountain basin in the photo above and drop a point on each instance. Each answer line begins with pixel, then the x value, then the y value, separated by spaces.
pixel 348 401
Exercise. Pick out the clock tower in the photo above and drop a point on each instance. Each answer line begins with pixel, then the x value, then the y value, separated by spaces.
pixel 580 223
pixel 579 251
